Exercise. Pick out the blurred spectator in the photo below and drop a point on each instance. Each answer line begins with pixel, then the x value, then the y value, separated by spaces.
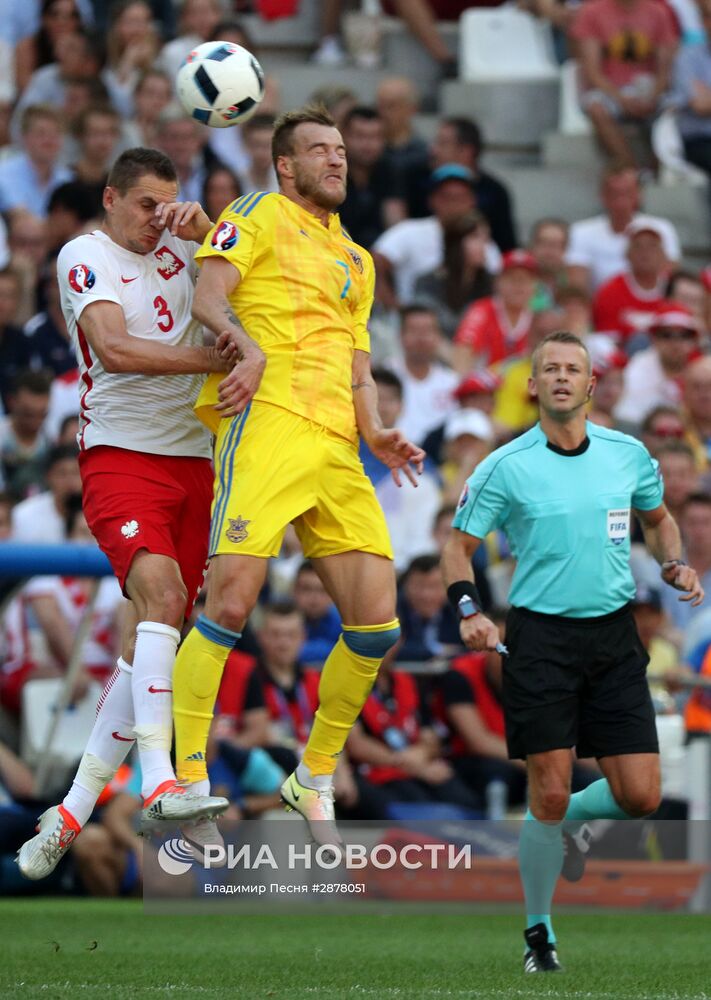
pixel 221 188
pixel 416 246
pixel 681 477
pixel 476 391
pixel 409 513
pixel 497 328
pixel 468 437
pixel 15 352
pixel 152 93
pixel 649 618
pixel 692 95
pixel 330 50
pixel 662 425
pixel 132 48
pixel 24 443
pixel 257 135
pixel 5 517
pixel 56 605
pixel 372 201
pixel 28 242
pixel 42 518
pixel 462 277
pixel 575 306
pixel 695 524
pixel 429 624
pixel 71 207
pixel 406 152
pixel 421 18
pixel 688 288
pixel 337 100
pixel 183 140
pixel 64 405
pixel 549 241
pixel 515 409
pixel 98 131
pixel 80 93
pixel 197 22
pixel 321 620
pixel 598 246
pixel 397 753
pixel 28 177
pixel 653 376
pixel 36 48
pixel 68 430
pixel 626 48
pixel 697 402
pixel 628 303
pixel 78 57
pixel 609 386
pixel 47 332
pixel 459 140
pixel 427 384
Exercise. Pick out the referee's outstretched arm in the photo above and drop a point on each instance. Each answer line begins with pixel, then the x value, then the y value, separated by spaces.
pixel 663 540
pixel 477 631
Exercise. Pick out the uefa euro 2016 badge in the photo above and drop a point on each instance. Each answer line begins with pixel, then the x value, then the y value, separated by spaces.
pixel 81 278
pixel 618 525
pixel 225 236
pixel 237 531
pixel 464 497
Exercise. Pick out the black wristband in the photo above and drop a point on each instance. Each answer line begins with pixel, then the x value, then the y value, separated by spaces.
pixel 464 589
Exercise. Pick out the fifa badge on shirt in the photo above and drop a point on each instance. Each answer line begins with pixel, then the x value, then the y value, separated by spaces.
pixel 237 531
pixel 618 525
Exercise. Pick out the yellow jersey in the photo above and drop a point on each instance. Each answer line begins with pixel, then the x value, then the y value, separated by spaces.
pixel 305 298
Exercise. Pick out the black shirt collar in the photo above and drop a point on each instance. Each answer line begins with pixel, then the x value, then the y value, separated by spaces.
pixel 570 452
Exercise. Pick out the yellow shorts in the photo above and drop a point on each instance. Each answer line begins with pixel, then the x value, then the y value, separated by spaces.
pixel 272 468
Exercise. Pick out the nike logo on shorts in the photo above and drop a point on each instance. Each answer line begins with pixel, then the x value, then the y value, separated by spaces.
pixel 125 739
pixel 152 690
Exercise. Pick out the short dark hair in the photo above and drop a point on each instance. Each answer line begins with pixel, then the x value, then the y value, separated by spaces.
pixel 37 382
pixel 658 411
pixel 76 197
pixel 135 163
pixel 680 275
pixel 72 509
pixel 286 124
pixel 383 376
pixel 559 337
pixel 423 564
pixel 414 309
pixel 676 447
pixel 363 111
pixel 259 121
pixel 467 130
pixel 283 608
pixel 37 112
pixel 80 124
pixel 60 453
pixel 549 221
pixel 701 498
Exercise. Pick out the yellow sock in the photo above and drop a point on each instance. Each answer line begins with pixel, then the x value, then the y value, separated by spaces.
pixel 196 681
pixel 346 680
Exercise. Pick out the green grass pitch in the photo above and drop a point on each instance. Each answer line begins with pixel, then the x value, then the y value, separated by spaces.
pixel 112 950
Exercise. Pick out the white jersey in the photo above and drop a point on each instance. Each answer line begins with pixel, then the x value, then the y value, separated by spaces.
pixel 146 413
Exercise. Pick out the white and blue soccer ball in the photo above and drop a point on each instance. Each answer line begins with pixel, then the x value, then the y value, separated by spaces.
pixel 220 84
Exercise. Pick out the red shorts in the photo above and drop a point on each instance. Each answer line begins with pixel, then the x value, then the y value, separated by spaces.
pixel 134 501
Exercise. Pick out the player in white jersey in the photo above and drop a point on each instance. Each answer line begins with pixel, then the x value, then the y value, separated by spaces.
pixel 126 292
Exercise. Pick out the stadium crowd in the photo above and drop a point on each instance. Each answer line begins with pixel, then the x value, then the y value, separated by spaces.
pixel 462 298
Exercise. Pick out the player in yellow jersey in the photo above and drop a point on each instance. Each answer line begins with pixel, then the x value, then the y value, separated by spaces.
pixel 298 290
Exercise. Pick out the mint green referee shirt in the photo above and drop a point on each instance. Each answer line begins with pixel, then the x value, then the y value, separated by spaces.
pixel 566 516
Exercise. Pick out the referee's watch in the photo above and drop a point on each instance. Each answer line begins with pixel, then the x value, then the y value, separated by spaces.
pixel 466 608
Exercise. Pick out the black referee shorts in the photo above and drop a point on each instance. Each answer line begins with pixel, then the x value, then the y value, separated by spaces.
pixel 579 683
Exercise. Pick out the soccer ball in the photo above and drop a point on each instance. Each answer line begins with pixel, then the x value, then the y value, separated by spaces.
pixel 220 84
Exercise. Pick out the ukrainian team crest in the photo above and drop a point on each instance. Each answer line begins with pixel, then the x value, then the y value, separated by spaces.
pixel 356 258
pixel 170 265
pixel 225 236
pixel 82 278
pixel 237 531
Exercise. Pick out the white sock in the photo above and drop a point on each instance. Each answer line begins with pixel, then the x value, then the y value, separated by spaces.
pixel 156 646
pixel 201 787
pixel 318 781
pixel 108 745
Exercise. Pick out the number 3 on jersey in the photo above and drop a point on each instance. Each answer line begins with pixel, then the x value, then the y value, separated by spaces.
pixel 165 316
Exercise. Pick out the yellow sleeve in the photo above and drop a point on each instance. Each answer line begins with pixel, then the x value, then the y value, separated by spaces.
pixel 361 313
pixel 236 233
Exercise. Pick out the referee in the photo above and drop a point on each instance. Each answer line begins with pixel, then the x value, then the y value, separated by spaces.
pixel 575 676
